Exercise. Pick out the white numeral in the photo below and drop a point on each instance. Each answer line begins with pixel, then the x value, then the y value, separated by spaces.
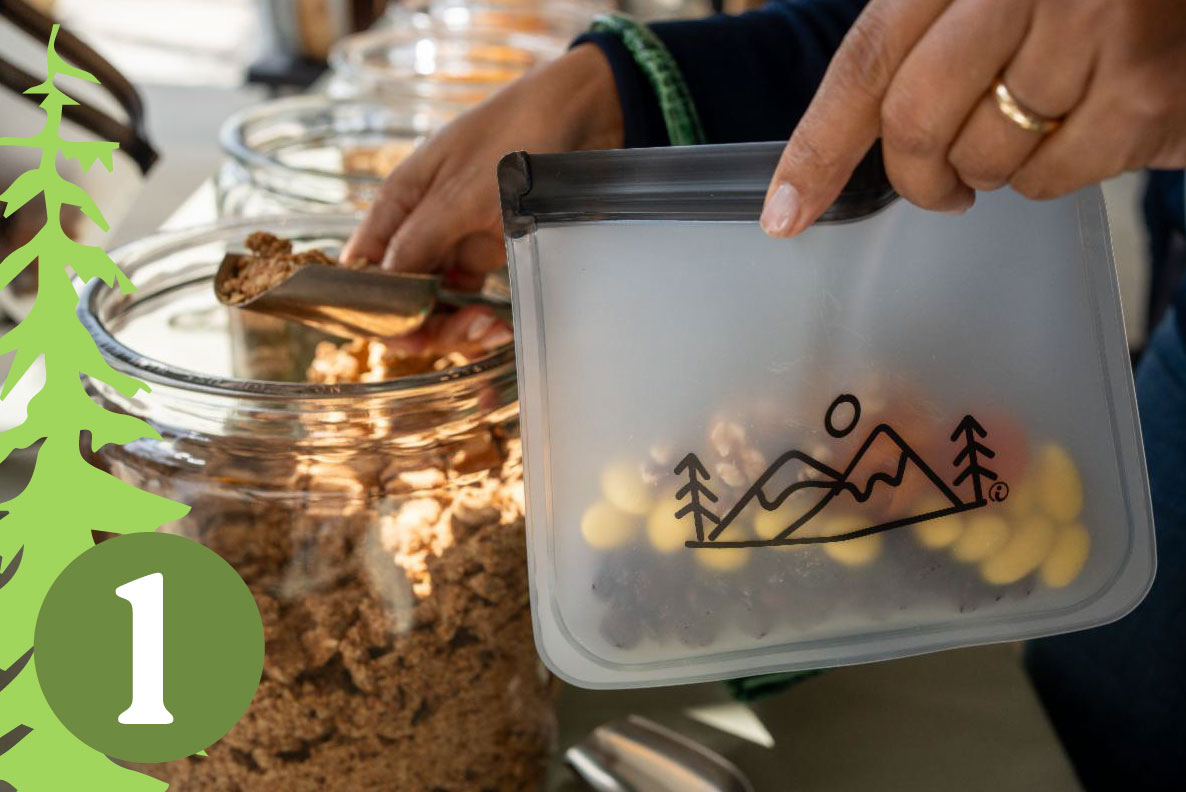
pixel 147 598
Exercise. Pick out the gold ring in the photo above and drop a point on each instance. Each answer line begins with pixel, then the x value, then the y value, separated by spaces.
pixel 1019 114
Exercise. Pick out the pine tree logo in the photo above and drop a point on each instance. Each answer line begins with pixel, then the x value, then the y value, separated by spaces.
pixel 694 490
pixel 971 432
pixel 50 522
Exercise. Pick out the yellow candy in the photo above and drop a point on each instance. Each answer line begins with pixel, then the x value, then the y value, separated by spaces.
pixel 623 486
pixel 837 525
pixel 769 524
pixel 940 531
pixel 984 535
pixel 1028 545
pixel 605 527
pixel 1067 557
pixel 1022 501
pixel 666 533
pixel 1059 488
pixel 723 559
pixel 851 552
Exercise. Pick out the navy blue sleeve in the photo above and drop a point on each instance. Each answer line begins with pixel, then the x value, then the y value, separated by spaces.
pixel 751 76
pixel 642 122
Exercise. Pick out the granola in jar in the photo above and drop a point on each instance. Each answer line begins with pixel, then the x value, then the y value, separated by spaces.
pixel 379 525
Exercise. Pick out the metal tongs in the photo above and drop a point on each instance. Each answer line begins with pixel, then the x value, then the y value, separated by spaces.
pixel 344 302
pixel 639 755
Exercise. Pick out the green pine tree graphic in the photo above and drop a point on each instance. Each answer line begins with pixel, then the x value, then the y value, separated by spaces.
pixel 50 522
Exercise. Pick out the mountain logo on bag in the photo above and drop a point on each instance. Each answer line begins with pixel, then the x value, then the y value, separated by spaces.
pixel 811 495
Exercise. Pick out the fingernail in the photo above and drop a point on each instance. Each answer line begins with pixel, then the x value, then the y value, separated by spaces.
pixel 388 262
pixel 781 211
pixel 969 200
pixel 479 326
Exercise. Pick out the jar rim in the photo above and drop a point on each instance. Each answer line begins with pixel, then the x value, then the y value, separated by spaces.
pixel 577 12
pixel 231 139
pixel 128 361
pixel 349 55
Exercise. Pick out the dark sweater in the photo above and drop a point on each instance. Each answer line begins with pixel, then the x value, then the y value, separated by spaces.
pixel 751 76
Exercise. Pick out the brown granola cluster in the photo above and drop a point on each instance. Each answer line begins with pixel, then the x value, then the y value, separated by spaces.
pixel 271 261
pixel 371 360
pixel 392 583
pixel 394 597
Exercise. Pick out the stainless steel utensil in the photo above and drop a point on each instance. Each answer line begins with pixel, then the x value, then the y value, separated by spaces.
pixel 348 303
pixel 638 755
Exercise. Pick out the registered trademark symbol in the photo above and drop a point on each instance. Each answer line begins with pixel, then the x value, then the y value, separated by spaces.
pixel 998 492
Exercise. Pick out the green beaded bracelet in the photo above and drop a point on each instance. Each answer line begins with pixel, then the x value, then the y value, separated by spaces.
pixel 656 62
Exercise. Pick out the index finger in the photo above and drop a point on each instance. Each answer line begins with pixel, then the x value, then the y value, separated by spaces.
pixel 844 118
pixel 401 191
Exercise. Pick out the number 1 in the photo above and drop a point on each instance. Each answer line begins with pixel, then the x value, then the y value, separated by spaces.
pixel 147 598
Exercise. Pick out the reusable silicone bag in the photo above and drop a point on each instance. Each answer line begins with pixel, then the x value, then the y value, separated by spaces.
pixel 896 434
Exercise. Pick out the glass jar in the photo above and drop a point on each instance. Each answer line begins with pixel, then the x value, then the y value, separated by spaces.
pixel 565 19
pixel 461 67
pixel 315 154
pixel 379 526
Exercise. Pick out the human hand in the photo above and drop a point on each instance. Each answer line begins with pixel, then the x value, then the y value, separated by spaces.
pixel 471 332
pixel 439 210
pixel 919 74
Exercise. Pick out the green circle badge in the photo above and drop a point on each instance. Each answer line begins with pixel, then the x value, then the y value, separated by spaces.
pixel 149 647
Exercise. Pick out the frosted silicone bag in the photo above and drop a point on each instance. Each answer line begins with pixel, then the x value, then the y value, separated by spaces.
pixel 919 430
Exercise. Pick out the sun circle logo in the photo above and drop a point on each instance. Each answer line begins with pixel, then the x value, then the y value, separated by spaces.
pixel 842 415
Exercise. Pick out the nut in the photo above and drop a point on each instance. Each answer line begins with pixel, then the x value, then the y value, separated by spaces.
pixel 1028 545
pixel 983 535
pixel 666 533
pixel 605 526
pixel 723 559
pixel 1059 487
pixel 623 486
pixel 1067 557
pixel 937 532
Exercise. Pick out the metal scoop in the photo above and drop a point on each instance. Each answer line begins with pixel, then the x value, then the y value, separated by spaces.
pixel 344 302
pixel 638 755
